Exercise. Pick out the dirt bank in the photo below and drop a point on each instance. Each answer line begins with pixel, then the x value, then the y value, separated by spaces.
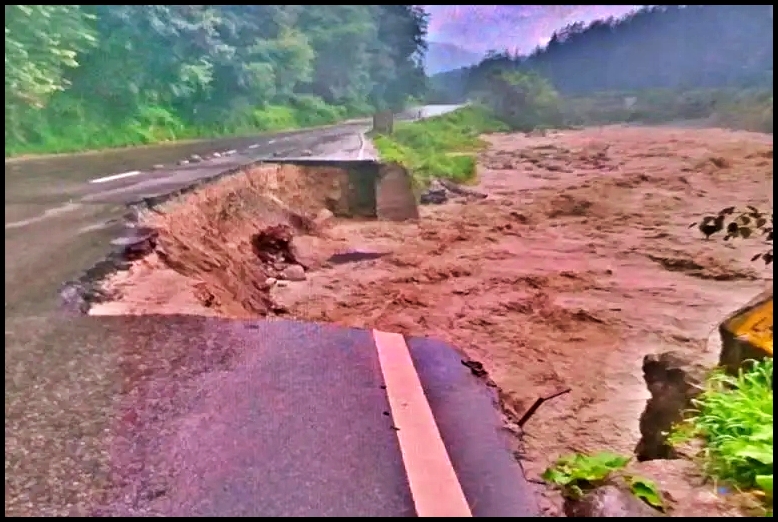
pixel 578 264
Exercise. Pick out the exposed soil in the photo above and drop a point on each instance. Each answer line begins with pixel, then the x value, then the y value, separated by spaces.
pixel 579 263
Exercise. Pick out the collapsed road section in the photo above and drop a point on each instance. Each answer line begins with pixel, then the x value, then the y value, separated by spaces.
pixel 234 234
pixel 256 439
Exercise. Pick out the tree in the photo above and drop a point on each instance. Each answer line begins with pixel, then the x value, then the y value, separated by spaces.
pixel 41 42
pixel 106 69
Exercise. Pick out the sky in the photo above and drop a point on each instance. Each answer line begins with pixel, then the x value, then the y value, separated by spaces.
pixel 521 28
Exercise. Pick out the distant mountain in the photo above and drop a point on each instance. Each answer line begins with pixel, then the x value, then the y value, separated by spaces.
pixel 443 57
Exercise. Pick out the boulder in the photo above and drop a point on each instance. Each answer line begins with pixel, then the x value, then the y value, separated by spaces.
pixel 293 273
pixel 673 379
pixel 310 252
pixel 433 197
pixel 609 501
pixel 323 217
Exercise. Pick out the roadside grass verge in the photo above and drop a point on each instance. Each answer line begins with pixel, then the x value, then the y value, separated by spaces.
pixel 439 147
pixel 67 126
pixel 733 418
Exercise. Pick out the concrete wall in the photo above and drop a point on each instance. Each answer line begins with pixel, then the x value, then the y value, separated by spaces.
pixel 395 200
pixel 374 190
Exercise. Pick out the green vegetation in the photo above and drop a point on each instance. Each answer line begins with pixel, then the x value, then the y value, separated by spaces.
pixel 657 65
pixel 83 77
pixel 733 417
pixel 440 147
pixel 576 474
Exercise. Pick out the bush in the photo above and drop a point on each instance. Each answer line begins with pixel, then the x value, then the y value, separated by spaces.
pixel 523 100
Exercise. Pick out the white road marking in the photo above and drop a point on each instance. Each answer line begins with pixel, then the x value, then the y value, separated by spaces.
pixel 49 213
pixel 434 484
pixel 116 176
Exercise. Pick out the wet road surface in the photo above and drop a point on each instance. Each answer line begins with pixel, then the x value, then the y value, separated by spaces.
pixel 306 419
pixel 72 444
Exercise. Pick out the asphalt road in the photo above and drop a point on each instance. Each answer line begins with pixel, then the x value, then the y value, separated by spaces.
pixel 118 415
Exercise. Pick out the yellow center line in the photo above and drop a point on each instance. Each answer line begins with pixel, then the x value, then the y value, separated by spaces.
pixel 435 488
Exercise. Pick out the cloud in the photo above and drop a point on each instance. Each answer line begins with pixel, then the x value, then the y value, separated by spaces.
pixel 517 27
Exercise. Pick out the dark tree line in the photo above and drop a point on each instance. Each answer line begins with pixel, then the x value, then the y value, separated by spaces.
pixel 658 47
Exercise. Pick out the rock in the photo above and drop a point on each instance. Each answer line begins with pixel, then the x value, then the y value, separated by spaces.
pixel 323 217
pixel 138 241
pixel 183 162
pixel 194 158
pixel 460 190
pixel 685 490
pixel 216 155
pixel 433 197
pixel 308 251
pixel 673 379
pixel 609 501
pixel 270 281
pixel 293 273
pixel 158 166
pixel 229 152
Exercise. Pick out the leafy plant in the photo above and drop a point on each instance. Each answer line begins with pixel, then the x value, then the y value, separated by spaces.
pixel 646 490
pixel 734 418
pixel 741 224
pixel 576 474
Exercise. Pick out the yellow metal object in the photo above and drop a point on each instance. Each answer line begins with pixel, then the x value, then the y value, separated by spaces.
pixel 748 333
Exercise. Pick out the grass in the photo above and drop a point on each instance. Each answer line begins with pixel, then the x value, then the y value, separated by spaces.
pixel 443 146
pixel 733 417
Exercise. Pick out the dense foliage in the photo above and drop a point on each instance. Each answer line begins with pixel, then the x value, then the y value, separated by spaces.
pixel 656 48
pixel 81 76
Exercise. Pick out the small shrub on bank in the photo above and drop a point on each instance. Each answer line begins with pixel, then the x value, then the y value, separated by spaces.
pixel 522 100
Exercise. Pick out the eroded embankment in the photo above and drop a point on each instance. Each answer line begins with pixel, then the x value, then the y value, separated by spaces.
pixel 219 249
